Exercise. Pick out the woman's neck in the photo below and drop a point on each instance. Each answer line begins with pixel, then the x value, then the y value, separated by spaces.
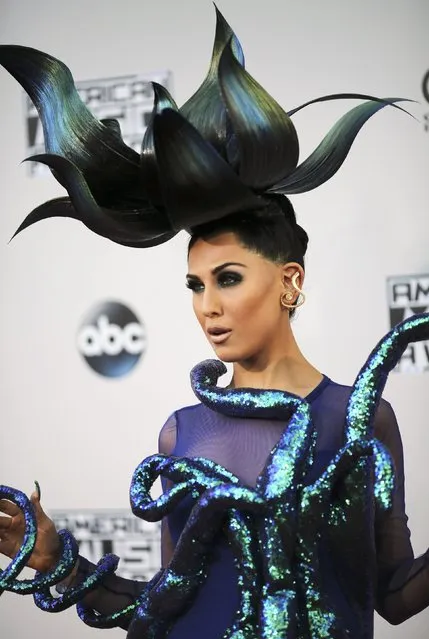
pixel 286 369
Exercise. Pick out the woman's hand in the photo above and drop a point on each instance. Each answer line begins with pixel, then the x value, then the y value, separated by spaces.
pixel 47 549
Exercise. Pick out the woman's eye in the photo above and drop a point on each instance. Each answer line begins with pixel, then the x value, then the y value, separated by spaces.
pixel 229 279
pixel 194 286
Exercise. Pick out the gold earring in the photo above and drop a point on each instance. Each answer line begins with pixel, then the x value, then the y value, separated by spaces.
pixel 289 296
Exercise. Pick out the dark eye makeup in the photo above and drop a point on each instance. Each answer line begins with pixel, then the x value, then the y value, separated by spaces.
pixel 229 278
pixel 224 279
pixel 194 285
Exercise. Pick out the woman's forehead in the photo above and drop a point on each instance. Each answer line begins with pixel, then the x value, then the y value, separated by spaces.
pixel 208 253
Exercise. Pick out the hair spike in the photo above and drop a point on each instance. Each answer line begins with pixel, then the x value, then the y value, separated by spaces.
pixel 206 109
pixel 70 130
pixel 148 163
pixel 266 138
pixel 328 157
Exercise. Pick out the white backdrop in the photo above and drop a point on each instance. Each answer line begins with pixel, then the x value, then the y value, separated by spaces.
pixel 80 434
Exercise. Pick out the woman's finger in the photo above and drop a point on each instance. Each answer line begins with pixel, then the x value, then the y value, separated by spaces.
pixel 5 523
pixel 35 500
pixel 7 548
pixel 9 508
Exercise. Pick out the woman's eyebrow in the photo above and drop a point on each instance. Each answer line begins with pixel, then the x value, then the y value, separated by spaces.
pixel 217 269
pixel 225 265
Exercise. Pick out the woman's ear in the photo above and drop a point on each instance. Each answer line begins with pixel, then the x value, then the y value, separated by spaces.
pixel 293 277
pixel 292 295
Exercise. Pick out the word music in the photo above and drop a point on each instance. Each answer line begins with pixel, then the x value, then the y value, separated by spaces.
pixel 135 541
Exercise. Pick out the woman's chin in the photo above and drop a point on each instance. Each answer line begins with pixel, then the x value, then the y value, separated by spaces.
pixel 227 355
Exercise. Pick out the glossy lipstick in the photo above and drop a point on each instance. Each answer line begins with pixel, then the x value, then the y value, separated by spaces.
pixel 218 335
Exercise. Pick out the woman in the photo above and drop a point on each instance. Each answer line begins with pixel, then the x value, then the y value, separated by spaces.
pixel 275 520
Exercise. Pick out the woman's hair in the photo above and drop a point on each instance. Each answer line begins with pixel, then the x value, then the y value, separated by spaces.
pixel 229 147
pixel 271 231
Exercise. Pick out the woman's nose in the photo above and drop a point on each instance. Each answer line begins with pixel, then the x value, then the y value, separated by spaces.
pixel 211 305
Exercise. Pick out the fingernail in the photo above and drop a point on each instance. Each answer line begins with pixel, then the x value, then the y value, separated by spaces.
pixel 39 492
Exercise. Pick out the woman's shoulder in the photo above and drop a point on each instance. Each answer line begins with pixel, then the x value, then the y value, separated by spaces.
pixel 337 395
pixel 332 393
pixel 168 432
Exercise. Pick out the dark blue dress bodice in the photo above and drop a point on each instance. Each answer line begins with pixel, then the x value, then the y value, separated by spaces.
pixel 242 445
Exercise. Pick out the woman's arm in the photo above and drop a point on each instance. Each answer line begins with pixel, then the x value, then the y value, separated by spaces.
pixel 116 593
pixel 112 595
pixel 403 581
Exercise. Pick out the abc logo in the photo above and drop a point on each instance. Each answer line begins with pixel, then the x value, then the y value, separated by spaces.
pixel 111 339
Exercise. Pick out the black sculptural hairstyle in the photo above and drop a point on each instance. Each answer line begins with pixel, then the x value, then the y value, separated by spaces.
pixel 223 152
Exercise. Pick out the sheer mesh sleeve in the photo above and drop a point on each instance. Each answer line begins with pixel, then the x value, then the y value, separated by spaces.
pixel 112 595
pixel 166 445
pixel 168 435
pixel 403 581
pixel 116 592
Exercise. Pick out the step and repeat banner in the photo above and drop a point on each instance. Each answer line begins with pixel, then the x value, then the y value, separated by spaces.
pixel 97 340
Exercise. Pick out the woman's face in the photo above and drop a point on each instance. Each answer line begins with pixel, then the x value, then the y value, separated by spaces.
pixel 236 297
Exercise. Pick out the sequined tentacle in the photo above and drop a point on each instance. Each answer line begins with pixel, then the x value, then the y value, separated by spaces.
pixel 286 461
pixel 239 403
pixel 280 483
pixel 243 537
pixel 207 517
pixel 29 541
pixel 277 610
pixel 68 551
pixel 188 474
pixel 371 379
pixel 384 476
pixel 45 601
pixel 315 505
pixel 317 496
pixel 144 477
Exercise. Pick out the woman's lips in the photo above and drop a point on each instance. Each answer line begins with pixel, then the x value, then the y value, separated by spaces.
pixel 220 338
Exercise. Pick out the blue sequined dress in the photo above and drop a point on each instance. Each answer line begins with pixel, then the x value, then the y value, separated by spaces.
pixel 242 445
